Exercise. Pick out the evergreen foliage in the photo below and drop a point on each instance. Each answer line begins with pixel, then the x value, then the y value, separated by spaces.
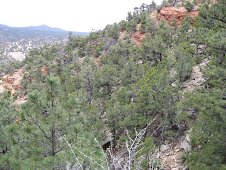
pixel 104 85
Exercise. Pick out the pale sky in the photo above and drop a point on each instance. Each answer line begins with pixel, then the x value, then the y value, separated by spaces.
pixel 71 15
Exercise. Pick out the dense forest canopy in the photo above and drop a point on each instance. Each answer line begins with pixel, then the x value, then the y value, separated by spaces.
pixel 112 99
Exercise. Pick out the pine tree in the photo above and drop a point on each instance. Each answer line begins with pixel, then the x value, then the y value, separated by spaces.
pixel 45 120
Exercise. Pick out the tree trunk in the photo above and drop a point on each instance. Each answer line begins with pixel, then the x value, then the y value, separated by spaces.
pixel 53 138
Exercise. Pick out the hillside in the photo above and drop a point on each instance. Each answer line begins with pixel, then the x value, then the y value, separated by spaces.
pixel 146 93
pixel 44 32
pixel 16 42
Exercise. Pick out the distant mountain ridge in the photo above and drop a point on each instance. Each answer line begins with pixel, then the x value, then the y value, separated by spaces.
pixel 10 34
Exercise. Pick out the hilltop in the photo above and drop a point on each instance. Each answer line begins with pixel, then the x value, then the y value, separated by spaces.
pixel 42 32
pixel 16 42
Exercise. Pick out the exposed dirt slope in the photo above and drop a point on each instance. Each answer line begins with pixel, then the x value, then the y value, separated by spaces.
pixel 12 82
pixel 138 37
pixel 122 35
pixel 171 153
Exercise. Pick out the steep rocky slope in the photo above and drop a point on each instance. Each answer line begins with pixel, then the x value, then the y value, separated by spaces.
pixel 171 152
pixel 170 14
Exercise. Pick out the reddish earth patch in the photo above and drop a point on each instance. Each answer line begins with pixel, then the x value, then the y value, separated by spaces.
pixel 12 82
pixel 179 14
pixel 168 14
pixel 44 70
pixel 137 37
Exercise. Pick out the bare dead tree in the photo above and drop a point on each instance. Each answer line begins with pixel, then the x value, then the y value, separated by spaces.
pixel 74 149
pixel 125 160
pixel 133 144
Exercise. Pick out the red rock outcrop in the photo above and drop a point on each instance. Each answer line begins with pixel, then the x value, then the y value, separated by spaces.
pixel 168 14
pixel 12 82
pixel 179 14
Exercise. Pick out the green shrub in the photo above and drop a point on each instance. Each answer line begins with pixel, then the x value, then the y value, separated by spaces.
pixel 189 6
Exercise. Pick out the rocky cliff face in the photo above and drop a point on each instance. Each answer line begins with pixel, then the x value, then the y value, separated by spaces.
pixel 170 14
